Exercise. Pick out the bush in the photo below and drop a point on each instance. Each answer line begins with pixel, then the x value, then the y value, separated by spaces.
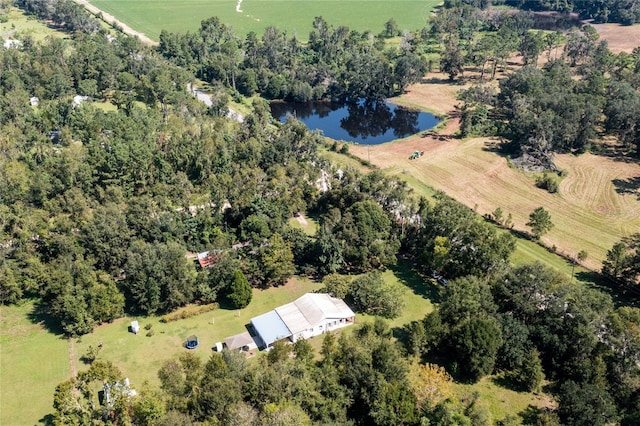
pixel 148 326
pixel 188 313
pixel 344 149
pixel 91 355
pixel 549 182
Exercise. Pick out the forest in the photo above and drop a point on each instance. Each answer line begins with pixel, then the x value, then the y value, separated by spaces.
pixel 99 207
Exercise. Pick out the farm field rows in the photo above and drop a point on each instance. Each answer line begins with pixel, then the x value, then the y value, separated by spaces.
pixel 294 16
pixel 591 210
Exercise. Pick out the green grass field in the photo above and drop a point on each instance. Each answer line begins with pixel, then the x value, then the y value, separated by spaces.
pixel 19 24
pixel 294 16
pixel 32 362
pixel 501 401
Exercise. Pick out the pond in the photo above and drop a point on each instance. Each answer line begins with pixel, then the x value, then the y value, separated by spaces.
pixel 367 123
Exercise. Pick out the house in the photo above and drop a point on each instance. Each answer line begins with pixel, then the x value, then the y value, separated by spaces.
pixel 117 389
pixel 310 315
pixel 208 258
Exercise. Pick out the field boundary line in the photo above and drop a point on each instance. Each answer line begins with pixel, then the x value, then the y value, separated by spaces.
pixel 113 22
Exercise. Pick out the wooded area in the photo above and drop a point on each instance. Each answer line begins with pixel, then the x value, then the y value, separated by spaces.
pixel 99 209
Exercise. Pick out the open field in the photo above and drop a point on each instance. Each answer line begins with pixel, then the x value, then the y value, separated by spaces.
pixel 140 356
pixel 19 24
pixel 32 362
pixel 621 38
pixel 591 211
pixel 501 401
pixel 152 16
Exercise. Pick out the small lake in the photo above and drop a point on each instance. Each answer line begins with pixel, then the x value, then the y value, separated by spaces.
pixel 367 123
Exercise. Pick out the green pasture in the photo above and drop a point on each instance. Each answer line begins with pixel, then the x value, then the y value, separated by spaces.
pixel 32 363
pixel 19 24
pixel 294 16
pixel 418 296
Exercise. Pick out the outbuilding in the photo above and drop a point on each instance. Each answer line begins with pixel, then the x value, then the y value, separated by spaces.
pixel 135 327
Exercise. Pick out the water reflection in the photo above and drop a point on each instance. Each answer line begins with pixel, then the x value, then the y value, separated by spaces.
pixel 368 123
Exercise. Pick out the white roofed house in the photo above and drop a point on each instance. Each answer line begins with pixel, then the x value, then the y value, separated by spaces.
pixel 310 315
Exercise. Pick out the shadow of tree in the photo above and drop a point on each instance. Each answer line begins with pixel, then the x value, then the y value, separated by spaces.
pixel 407 274
pixel 504 380
pixel 627 186
pixel 47 420
pixel 39 315
pixel 620 294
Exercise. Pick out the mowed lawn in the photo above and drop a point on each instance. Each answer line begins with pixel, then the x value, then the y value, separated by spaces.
pixel 140 356
pixel 32 362
pixel 294 16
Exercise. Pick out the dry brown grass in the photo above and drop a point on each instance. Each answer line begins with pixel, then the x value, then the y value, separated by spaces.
pixel 587 212
pixel 619 37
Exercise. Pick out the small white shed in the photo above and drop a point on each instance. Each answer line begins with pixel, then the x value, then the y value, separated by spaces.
pixel 135 327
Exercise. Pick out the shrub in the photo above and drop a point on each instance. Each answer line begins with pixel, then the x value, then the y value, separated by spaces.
pixel 549 182
pixel 188 313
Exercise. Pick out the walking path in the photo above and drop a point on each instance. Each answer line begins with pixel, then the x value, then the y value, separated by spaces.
pixel 111 20
pixel 72 359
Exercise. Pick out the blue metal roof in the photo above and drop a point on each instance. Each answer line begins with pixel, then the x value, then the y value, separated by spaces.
pixel 270 327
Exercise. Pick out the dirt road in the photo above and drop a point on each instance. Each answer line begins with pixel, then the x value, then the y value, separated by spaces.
pixel 109 19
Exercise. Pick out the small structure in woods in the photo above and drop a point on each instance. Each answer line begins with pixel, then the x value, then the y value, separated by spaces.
pixel 116 390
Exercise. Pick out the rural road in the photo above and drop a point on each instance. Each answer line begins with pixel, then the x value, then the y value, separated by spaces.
pixel 205 98
pixel 115 22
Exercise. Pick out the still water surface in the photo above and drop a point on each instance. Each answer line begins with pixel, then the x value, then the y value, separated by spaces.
pixel 368 123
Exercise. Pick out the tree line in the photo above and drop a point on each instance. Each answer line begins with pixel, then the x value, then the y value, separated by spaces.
pixel 626 12
pixel 335 63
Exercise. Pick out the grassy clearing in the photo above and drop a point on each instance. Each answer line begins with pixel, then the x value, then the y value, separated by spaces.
pixel 152 16
pixel 20 24
pixel 418 298
pixel 308 224
pixel 32 362
pixel 499 400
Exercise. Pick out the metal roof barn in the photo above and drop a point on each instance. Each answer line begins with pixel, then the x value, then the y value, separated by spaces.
pixel 270 328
